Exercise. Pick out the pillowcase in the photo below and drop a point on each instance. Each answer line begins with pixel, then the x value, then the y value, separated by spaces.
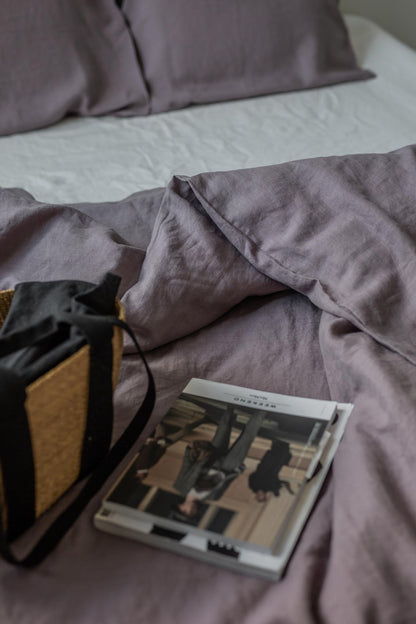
pixel 65 56
pixel 199 51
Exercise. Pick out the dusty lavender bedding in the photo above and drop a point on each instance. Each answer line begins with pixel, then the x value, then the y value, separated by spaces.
pixel 297 278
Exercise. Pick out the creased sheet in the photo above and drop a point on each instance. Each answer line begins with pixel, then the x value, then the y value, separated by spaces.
pixel 299 279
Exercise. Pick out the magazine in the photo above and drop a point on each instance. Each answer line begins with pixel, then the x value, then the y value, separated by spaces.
pixel 230 475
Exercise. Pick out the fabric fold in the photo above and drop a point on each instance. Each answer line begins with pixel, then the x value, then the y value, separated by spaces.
pixel 213 296
pixel 340 230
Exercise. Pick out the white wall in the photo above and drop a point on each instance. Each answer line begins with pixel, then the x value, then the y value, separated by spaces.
pixel 396 16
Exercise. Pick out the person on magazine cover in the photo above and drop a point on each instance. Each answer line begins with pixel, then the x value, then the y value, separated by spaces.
pixel 208 468
pixel 156 445
pixel 266 476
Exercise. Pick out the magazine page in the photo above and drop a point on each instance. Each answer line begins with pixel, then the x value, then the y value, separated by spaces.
pixel 226 462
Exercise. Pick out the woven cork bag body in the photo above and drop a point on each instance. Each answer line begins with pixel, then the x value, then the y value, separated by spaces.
pixel 57 411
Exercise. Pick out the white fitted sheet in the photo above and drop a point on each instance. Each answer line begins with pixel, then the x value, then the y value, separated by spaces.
pixel 106 159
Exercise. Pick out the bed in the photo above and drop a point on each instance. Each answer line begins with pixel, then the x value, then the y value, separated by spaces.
pixel 220 282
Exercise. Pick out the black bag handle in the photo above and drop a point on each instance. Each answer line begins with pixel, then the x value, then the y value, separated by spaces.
pixel 100 474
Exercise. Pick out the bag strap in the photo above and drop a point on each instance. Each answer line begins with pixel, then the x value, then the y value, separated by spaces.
pixel 106 466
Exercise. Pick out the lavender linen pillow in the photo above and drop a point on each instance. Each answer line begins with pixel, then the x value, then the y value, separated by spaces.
pixel 65 56
pixel 198 51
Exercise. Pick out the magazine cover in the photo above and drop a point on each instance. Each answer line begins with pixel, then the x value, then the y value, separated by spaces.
pixel 227 463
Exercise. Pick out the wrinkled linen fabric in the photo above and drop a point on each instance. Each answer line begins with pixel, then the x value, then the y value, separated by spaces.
pixel 65 58
pixel 198 52
pixel 102 159
pixel 296 278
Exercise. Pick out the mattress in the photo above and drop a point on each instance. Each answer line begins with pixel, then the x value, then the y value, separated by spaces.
pixel 108 158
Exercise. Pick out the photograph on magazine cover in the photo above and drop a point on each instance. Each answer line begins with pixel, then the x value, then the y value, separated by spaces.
pixel 229 469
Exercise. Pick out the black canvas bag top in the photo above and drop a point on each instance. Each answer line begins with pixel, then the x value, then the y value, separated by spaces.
pixel 47 323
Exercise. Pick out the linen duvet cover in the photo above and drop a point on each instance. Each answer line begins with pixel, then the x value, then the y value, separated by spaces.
pixel 296 278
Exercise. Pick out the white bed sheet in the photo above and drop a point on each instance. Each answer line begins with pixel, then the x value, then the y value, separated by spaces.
pixel 106 159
